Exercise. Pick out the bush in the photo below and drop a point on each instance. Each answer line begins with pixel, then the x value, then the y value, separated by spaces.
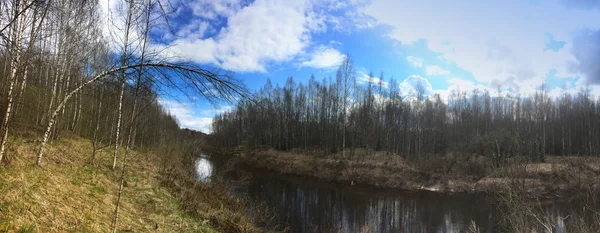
pixel 453 164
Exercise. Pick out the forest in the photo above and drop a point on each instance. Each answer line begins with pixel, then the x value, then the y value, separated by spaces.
pixel 65 71
pixel 53 50
pixel 86 143
pixel 339 113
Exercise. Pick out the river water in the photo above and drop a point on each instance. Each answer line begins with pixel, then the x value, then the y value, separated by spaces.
pixel 307 205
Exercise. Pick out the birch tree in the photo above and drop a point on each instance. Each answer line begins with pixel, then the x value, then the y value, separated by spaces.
pixel 15 53
pixel 133 116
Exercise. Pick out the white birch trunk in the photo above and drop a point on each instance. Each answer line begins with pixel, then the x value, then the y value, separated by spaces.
pixel 12 80
pixel 123 78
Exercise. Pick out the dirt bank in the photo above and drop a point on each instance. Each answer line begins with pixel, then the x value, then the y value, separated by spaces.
pixel 556 178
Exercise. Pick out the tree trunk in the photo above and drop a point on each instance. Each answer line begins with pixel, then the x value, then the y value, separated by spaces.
pixel 123 78
pixel 97 128
pixel 133 117
pixel 12 80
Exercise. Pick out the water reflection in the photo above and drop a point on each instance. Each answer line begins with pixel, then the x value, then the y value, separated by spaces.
pixel 204 169
pixel 307 205
pixel 310 208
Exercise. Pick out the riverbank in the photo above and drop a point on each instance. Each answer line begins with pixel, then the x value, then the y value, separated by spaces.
pixel 67 193
pixel 558 177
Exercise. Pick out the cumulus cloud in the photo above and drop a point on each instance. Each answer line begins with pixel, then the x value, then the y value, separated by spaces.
pixel 214 111
pixel 462 85
pixel 196 28
pixel 212 9
pixel 244 36
pixel 414 61
pixel 436 71
pixel 457 85
pixel 255 35
pixel 113 22
pixel 558 92
pixel 250 36
pixel 414 84
pixel 185 115
pixel 491 40
pixel 586 49
pixel 364 78
pixel 323 57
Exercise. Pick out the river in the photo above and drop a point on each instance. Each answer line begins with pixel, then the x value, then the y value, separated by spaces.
pixel 307 205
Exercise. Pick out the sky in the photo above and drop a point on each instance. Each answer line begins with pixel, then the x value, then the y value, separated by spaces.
pixel 500 46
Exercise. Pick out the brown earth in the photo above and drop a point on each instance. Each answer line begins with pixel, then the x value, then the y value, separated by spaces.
pixel 559 176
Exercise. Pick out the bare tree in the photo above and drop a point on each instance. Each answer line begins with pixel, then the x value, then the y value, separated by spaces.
pixel 225 88
pixel 14 67
pixel 346 75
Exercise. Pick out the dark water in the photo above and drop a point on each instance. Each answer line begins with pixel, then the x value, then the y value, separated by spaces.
pixel 307 205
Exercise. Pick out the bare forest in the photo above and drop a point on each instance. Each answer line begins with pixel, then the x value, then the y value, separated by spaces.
pixel 88 144
pixel 63 71
pixel 338 113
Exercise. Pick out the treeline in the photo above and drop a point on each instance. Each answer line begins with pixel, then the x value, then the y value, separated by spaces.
pixel 54 47
pixel 65 66
pixel 311 116
pixel 60 65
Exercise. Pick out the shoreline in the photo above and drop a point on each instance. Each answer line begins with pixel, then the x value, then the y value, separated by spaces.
pixel 534 179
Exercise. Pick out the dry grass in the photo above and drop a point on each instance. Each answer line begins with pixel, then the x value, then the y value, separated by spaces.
pixel 66 194
pixel 390 172
pixel 208 201
pixel 522 214
pixel 558 177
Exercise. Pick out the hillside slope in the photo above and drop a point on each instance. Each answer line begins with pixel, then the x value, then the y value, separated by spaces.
pixel 68 194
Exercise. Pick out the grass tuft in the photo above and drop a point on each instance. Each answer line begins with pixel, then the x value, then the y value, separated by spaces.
pixel 67 194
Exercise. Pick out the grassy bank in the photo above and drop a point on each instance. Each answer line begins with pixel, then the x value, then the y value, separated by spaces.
pixel 211 200
pixel 68 194
pixel 557 177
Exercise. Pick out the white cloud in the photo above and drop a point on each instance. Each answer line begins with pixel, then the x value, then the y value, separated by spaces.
pixel 411 85
pixel 324 57
pixel 335 42
pixel 436 71
pixel 458 84
pixel 185 115
pixel 339 15
pixel 255 36
pixel 211 9
pixel 211 92
pixel 195 28
pixel 558 92
pixel 492 40
pixel 414 61
pixel 586 50
pixel 244 36
pixel 364 78
pixel 214 111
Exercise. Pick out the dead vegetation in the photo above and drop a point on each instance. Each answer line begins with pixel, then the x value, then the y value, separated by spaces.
pixel 522 214
pixel 556 177
pixel 68 194
pixel 209 201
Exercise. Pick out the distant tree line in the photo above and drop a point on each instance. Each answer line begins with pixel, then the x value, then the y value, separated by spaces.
pixel 311 116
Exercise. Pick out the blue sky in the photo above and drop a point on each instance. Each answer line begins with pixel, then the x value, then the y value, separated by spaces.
pixel 512 45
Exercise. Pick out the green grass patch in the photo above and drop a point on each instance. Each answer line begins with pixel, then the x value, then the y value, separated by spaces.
pixel 98 191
